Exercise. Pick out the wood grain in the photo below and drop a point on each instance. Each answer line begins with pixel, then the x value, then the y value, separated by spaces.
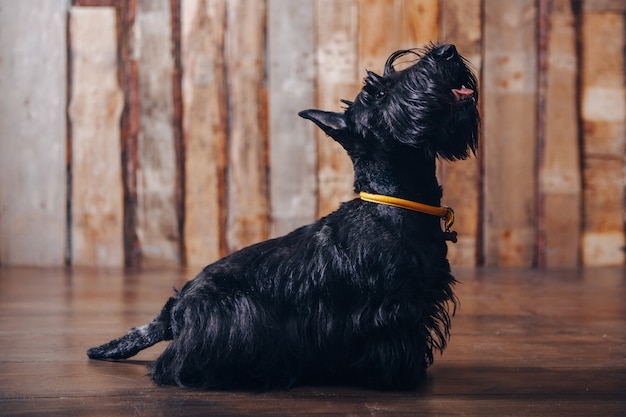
pixel 157 217
pixel 206 127
pixel 247 194
pixel 378 28
pixel 94 112
pixel 177 125
pixel 338 77
pixel 603 114
pixel 292 146
pixel 388 25
pixel 461 25
pixel 509 133
pixel 33 177
pixel 614 6
pixel 419 23
pixel 525 342
pixel 129 81
pixel 559 170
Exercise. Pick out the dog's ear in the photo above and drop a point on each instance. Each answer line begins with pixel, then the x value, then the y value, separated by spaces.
pixel 333 124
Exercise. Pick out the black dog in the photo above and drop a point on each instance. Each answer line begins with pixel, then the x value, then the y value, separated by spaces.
pixel 362 295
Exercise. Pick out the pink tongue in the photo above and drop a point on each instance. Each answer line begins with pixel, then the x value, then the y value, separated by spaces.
pixel 463 92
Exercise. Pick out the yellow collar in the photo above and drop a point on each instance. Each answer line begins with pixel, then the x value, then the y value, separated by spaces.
pixel 444 212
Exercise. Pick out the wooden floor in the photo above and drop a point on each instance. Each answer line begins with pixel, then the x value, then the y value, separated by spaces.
pixel 524 343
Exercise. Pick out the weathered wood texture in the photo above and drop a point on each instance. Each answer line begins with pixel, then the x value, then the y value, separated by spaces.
pixel 247 196
pixel 388 25
pixel 205 125
pixel 157 219
pixel 128 74
pixel 559 170
pixel 529 343
pixel 95 3
pixel 291 77
pixel 461 25
pixel 33 87
pixel 603 115
pixel 338 77
pixel 94 113
pixel 509 141
pixel 177 126
pixel 377 33
pixel 213 156
pixel 418 23
pixel 614 6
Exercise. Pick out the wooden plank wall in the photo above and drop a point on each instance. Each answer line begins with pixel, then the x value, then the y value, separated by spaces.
pixel 559 193
pixel 169 134
pixel 129 126
pixel 157 220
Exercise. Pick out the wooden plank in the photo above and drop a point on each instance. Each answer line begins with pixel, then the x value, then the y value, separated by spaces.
pixel 461 25
pixel 419 22
pixel 94 112
pixel 205 126
pixel 559 167
pixel 157 217
pixel 509 127
pixel 615 6
pixel 95 3
pixel 337 77
pixel 604 124
pixel 177 124
pixel 177 121
pixel 389 25
pixel 129 81
pixel 378 37
pixel 247 198
pixel 33 88
pixel 603 236
pixel 291 69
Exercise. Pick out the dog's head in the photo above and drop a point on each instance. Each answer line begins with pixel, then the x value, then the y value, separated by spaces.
pixel 431 105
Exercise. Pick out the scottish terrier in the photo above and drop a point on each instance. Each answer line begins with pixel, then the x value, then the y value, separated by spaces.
pixel 363 295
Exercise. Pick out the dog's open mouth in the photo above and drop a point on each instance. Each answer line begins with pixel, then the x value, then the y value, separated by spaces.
pixel 463 94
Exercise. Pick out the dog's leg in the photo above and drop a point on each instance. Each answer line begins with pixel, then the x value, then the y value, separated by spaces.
pixel 223 341
pixel 138 338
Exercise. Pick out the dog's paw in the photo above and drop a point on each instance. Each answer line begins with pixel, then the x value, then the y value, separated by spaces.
pixel 97 353
pixel 109 350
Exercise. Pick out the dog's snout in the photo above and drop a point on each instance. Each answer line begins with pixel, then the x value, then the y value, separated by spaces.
pixel 447 52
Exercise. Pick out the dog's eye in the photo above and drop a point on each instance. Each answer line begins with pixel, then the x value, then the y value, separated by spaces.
pixel 380 95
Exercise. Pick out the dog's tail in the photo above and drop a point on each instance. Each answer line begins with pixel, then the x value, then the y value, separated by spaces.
pixel 138 338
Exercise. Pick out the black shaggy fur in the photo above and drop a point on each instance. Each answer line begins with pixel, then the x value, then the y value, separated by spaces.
pixel 360 296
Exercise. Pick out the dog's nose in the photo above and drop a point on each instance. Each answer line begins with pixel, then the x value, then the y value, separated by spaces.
pixel 447 52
